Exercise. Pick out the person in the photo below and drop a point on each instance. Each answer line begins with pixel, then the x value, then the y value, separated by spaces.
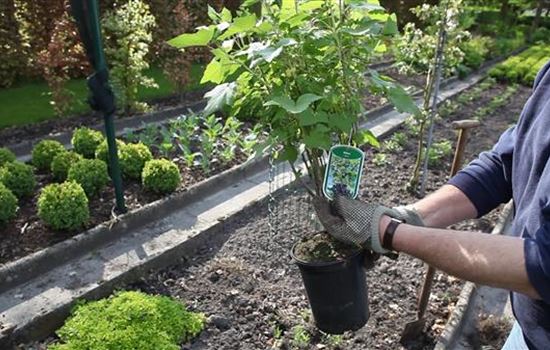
pixel 518 168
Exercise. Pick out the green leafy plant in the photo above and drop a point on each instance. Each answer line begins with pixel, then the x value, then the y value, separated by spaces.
pixel 149 135
pixel 231 136
pixel 523 67
pixel 63 206
pixel 210 138
pixel 439 151
pixel 302 63
pixel 44 152
pixel 85 141
pixel 476 51
pixel 91 174
pixel 133 157
pixel 127 31
pixel 6 156
pixel 161 176
pixel 62 162
pixel 380 159
pixel 8 205
pixel 300 337
pixel 102 151
pixel 495 103
pixel 166 147
pixel 19 178
pixel 129 320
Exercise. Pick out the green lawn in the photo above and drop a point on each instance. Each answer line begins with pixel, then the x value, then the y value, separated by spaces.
pixel 29 102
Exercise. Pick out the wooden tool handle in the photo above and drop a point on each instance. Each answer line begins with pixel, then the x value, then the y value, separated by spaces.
pixel 465 124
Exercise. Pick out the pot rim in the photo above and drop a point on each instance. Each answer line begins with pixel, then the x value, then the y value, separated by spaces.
pixel 322 264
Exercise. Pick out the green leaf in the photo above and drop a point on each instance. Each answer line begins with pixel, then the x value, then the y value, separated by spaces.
pixel 318 139
pixel 311 5
pixel 212 14
pixel 270 53
pixel 240 25
pixel 305 100
pixel 364 137
pixel 290 106
pixel 288 9
pixel 308 117
pixel 225 15
pixel 219 97
pixel 390 28
pixel 340 122
pixel 289 153
pixel 248 3
pixel 401 100
pixel 200 38
pixel 213 72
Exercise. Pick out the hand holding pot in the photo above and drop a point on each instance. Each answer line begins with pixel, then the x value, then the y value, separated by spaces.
pixel 355 222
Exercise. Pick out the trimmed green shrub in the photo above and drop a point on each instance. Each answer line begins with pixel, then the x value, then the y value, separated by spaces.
pixel 129 320
pixel 133 157
pixel 102 151
pixel 91 174
pixel 8 204
pixel 44 152
pixel 62 163
pixel 86 140
pixel 476 51
pixel 63 206
pixel 19 178
pixel 161 176
pixel 6 156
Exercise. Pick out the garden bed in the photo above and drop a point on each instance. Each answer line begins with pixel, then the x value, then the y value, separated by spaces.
pixel 253 294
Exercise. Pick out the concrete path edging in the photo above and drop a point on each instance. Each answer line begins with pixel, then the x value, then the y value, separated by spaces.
pixel 34 308
pixel 464 306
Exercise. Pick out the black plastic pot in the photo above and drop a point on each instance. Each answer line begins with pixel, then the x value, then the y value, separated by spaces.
pixel 337 292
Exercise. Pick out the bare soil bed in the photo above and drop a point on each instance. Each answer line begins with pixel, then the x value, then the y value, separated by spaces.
pixel 253 295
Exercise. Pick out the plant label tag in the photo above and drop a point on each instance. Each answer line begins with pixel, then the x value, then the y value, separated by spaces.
pixel 343 171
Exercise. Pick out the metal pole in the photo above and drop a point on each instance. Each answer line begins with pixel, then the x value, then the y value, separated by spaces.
pixel 86 13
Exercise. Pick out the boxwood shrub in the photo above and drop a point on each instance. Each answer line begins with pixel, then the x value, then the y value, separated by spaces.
pixel 8 205
pixel 161 176
pixel 133 157
pixel 19 178
pixel 91 174
pixel 85 141
pixel 62 162
pixel 63 206
pixel 44 153
pixel 6 156
pixel 129 320
pixel 102 151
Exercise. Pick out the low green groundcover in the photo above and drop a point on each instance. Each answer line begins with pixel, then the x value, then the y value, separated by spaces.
pixel 129 321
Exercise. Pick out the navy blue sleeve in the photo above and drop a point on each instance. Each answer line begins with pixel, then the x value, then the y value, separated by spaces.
pixel 487 180
pixel 537 258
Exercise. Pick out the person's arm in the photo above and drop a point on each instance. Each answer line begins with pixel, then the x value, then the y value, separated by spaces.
pixel 497 261
pixel 445 207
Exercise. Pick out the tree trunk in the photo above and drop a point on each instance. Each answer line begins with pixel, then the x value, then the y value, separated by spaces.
pixel 536 21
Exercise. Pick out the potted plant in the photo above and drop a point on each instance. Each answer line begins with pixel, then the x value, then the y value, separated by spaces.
pixel 300 68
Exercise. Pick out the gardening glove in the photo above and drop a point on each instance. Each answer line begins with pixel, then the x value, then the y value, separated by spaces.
pixel 352 221
pixel 409 215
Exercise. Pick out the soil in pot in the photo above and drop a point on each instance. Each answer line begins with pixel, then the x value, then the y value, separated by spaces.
pixel 321 248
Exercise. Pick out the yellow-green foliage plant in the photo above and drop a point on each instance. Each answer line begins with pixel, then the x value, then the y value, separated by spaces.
pixel 522 68
pixel 129 321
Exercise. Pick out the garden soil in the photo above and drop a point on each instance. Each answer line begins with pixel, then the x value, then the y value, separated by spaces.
pixel 252 293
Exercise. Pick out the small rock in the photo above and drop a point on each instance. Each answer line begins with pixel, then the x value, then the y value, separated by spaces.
pixel 220 322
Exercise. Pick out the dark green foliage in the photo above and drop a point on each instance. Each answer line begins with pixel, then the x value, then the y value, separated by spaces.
pixel 161 176
pixel 91 174
pixel 133 157
pixel 85 141
pixel 8 205
pixel 62 163
pixel 127 321
pixel 19 178
pixel 6 156
pixel 102 151
pixel 63 206
pixel 44 152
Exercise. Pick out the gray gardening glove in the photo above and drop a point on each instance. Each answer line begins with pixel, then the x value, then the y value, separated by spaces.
pixel 352 221
pixel 409 215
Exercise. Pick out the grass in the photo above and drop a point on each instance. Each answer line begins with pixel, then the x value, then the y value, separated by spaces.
pixel 30 103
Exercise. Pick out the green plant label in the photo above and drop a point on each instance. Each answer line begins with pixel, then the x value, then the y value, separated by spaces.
pixel 343 171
